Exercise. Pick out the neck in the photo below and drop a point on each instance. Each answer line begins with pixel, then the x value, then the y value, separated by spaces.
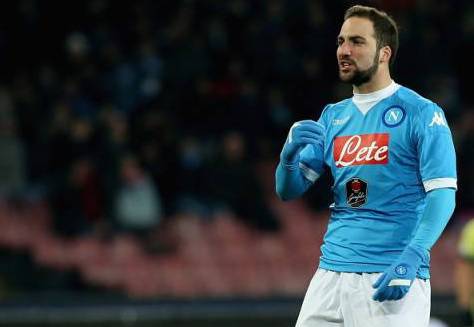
pixel 380 80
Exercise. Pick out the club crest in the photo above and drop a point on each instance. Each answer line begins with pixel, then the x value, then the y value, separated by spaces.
pixel 393 116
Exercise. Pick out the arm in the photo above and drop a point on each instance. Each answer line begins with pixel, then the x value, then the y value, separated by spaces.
pixel 437 167
pixel 396 280
pixel 289 181
pixel 303 144
pixel 439 207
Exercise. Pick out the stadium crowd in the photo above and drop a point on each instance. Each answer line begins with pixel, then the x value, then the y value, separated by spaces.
pixel 122 114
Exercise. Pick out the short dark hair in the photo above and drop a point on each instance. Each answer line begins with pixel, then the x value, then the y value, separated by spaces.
pixel 385 27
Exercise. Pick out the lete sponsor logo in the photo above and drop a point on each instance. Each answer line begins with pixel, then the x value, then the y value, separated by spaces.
pixel 365 149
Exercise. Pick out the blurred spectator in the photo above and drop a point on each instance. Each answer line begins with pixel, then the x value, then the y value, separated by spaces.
pixel 138 208
pixel 191 178
pixel 12 152
pixel 77 199
pixel 150 72
pixel 280 114
pixel 153 138
pixel 70 138
pixel 464 276
pixel 113 144
pixel 233 183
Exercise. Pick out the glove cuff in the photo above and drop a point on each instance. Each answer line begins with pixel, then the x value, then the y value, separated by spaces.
pixel 291 165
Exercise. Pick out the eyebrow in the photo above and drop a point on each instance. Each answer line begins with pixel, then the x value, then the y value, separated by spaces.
pixel 352 38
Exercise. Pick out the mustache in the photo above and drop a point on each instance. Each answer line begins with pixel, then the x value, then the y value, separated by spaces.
pixel 347 60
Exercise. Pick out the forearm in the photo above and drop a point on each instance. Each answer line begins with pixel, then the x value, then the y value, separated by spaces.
pixel 395 282
pixel 439 207
pixel 289 181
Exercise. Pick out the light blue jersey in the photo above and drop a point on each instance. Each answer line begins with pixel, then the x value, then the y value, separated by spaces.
pixel 384 153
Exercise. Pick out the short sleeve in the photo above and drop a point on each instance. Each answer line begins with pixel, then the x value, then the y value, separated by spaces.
pixel 436 153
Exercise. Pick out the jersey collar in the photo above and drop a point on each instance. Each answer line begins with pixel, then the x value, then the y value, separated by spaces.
pixel 364 102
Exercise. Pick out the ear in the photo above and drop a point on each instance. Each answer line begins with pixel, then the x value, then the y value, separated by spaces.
pixel 385 54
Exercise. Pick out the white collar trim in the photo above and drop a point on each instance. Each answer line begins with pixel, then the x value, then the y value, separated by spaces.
pixel 364 102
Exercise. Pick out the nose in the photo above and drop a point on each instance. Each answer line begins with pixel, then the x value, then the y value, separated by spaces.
pixel 344 49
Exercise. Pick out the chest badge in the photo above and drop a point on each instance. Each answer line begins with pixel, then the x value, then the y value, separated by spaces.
pixel 393 116
pixel 356 192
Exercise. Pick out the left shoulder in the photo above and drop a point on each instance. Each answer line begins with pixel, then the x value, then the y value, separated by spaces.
pixel 414 101
pixel 423 112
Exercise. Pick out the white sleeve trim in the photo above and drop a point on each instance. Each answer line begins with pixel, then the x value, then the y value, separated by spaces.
pixel 310 174
pixel 440 183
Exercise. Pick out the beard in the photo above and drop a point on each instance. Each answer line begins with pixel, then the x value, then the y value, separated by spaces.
pixel 359 77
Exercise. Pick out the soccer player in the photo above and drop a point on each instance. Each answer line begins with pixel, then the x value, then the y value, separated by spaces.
pixel 392 158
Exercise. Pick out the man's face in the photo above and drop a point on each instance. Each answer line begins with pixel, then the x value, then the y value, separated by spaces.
pixel 357 53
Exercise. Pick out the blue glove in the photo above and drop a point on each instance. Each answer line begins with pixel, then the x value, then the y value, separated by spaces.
pixel 302 133
pixel 395 282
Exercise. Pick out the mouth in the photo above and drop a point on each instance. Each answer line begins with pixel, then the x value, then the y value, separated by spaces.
pixel 345 65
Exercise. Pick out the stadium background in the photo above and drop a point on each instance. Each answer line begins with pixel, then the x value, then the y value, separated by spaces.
pixel 138 141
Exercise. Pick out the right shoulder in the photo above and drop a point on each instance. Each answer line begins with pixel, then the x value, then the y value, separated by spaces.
pixel 334 108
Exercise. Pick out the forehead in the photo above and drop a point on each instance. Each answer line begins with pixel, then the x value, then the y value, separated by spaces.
pixel 357 26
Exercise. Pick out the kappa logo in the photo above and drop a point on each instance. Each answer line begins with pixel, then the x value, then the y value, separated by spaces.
pixel 340 121
pixel 438 120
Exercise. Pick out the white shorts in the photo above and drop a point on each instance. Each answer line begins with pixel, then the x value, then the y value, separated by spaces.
pixel 336 299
